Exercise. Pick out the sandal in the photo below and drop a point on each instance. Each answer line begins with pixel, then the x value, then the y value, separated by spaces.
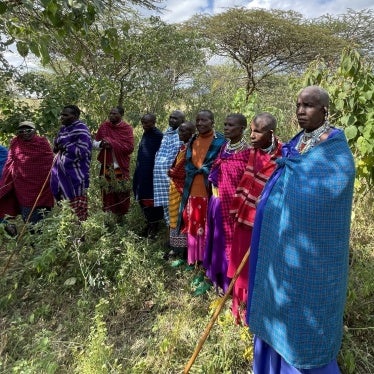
pixel 11 229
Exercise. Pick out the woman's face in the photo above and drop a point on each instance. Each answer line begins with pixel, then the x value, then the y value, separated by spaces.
pixel 309 111
pixel 233 130
pixel 26 133
pixel 204 123
pixel 260 137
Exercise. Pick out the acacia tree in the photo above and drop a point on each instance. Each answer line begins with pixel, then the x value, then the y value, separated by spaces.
pixel 265 43
pixel 30 24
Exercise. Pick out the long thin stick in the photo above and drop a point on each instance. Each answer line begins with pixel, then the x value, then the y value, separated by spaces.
pixel 104 167
pixel 29 216
pixel 215 315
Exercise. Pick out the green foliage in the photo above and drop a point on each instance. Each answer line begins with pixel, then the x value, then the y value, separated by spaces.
pixel 96 356
pixel 351 89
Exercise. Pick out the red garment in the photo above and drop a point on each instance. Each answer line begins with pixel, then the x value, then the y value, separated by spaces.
pixel 80 206
pixel 121 138
pixel 243 209
pixel 25 172
pixel 177 172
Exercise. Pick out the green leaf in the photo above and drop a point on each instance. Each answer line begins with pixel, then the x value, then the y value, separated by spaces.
pixel 350 132
pixel 22 48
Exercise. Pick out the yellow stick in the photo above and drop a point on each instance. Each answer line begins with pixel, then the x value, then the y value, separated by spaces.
pixel 215 315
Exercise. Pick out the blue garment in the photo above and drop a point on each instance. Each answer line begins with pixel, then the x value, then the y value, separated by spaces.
pixel 164 159
pixel 299 253
pixel 71 172
pixel 143 175
pixel 3 157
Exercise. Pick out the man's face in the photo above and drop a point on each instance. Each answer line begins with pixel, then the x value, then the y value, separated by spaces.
pixel 175 119
pixel 67 116
pixel 148 123
pixel 115 116
pixel 204 123
pixel 26 133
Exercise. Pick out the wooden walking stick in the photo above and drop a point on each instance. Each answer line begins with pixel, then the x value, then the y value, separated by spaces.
pixel 215 315
pixel 29 216
pixel 104 167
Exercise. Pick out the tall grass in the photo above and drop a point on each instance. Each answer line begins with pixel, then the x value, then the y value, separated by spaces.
pixel 110 303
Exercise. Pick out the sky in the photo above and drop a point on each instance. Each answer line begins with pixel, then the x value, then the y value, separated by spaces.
pixel 181 10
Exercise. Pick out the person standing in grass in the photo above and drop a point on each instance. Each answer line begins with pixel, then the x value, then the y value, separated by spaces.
pixel 143 175
pixel 24 183
pixel 115 140
pixel 164 158
pixel 224 177
pixel 261 162
pixel 71 172
pixel 300 248
pixel 177 174
pixel 200 155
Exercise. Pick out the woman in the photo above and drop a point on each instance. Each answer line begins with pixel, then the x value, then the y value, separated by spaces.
pixel 177 174
pixel 300 248
pixel 224 177
pixel 260 165
pixel 201 153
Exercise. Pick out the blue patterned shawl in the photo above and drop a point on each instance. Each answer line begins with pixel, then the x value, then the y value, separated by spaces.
pixel 3 157
pixel 71 172
pixel 299 253
pixel 165 156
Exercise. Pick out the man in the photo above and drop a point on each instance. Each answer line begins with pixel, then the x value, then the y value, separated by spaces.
pixel 143 175
pixel 164 158
pixel 300 248
pixel 24 184
pixel 116 142
pixel 70 173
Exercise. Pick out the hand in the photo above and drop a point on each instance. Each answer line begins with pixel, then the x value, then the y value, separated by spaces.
pixel 58 148
pixel 105 144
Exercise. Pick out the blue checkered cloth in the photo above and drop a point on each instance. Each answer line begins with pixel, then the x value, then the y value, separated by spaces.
pixel 164 159
pixel 297 300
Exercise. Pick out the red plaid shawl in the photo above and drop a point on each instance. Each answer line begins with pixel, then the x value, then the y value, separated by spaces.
pixel 121 139
pixel 24 174
pixel 177 172
pixel 258 170
pixel 230 171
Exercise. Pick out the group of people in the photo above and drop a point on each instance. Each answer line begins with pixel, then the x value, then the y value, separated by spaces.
pixel 287 205
pixel 221 197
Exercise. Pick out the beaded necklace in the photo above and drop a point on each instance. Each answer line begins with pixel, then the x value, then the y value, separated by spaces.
pixel 309 139
pixel 236 147
pixel 271 146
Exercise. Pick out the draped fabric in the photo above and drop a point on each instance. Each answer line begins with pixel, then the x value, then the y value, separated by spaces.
pixel 143 175
pixel 177 174
pixel 192 170
pixel 70 173
pixel 3 157
pixel 224 176
pixel 121 138
pixel 24 173
pixel 164 159
pixel 299 253
pixel 258 169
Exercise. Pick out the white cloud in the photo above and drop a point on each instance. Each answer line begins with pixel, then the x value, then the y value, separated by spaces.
pixel 178 11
